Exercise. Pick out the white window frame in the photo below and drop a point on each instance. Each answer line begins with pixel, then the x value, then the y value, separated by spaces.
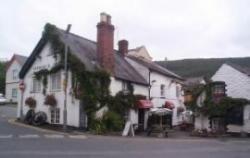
pixel 218 89
pixel 55 81
pixel 14 74
pixel 163 90
pixel 178 91
pixel 55 115
pixel 124 86
pixel 14 93
pixel 36 85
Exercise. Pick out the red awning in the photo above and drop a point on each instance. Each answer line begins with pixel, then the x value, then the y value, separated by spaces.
pixel 169 105
pixel 144 104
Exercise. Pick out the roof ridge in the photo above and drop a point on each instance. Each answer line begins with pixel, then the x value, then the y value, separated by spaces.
pixel 74 34
pixel 169 73
pixel 242 69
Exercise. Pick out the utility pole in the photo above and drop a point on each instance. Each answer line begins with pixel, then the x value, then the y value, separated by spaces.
pixel 65 82
pixel 22 88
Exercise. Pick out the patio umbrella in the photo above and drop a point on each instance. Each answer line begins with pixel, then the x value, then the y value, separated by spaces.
pixel 160 112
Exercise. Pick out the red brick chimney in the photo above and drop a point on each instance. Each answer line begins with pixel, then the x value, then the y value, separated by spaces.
pixel 105 43
pixel 123 47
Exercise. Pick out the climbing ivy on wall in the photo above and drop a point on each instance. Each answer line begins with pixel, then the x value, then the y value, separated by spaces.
pixel 210 107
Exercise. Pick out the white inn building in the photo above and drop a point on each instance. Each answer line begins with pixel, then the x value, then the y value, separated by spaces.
pixel 128 66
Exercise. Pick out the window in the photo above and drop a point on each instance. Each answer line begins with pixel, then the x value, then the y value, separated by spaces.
pixel 36 85
pixel 162 87
pixel 55 116
pixel 124 86
pixel 56 81
pixel 127 86
pixel 14 74
pixel 14 93
pixel 219 89
pixel 178 91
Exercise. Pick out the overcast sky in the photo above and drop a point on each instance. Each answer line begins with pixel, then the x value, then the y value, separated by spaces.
pixel 175 29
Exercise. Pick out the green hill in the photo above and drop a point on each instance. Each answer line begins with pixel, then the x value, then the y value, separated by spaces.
pixel 201 67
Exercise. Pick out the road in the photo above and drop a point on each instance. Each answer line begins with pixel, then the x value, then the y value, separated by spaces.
pixel 21 142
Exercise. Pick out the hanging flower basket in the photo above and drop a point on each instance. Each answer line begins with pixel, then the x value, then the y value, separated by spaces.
pixel 169 105
pixel 50 100
pixel 31 102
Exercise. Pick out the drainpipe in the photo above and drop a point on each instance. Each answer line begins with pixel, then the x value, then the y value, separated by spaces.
pixel 149 89
pixel 65 80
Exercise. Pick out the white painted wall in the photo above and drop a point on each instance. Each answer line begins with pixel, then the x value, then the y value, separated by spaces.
pixel 11 83
pixel 201 122
pixel 170 94
pixel 170 89
pixel 47 61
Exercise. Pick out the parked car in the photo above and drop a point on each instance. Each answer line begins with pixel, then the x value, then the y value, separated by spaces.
pixel 3 100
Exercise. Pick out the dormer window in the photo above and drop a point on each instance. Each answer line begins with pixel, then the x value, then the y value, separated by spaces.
pixel 218 91
pixel 218 88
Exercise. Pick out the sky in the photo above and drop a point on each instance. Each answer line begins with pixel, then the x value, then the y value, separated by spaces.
pixel 171 29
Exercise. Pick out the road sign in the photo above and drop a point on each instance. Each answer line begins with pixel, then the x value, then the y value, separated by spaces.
pixel 21 85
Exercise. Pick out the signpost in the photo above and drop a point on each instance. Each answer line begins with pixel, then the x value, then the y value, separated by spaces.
pixel 22 88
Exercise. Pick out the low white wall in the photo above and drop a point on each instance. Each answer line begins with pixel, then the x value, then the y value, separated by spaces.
pixel 201 122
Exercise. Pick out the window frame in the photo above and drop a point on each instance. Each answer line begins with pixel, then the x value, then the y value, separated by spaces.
pixel 12 92
pixel 178 91
pixel 36 85
pixel 218 89
pixel 55 116
pixel 162 90
pixel 14 74
pixel 56 81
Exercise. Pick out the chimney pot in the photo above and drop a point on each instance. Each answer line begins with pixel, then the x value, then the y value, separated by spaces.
pixel 105 18
pixel 123 47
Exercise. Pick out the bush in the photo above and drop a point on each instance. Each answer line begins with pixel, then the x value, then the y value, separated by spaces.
pixel 97 126
pixel 110 122
pixel 113 121
pixel 31 102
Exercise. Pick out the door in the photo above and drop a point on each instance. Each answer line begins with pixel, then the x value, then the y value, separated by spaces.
pixel 141 119
pixel 82 116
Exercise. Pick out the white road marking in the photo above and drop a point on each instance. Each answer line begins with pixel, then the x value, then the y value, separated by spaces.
pixel 29 136
pixel 53 136
pixel 77 136
pixel 6 136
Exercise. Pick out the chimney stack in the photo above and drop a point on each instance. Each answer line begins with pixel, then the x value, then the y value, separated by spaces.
pixel 123 47
pixel 105 43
